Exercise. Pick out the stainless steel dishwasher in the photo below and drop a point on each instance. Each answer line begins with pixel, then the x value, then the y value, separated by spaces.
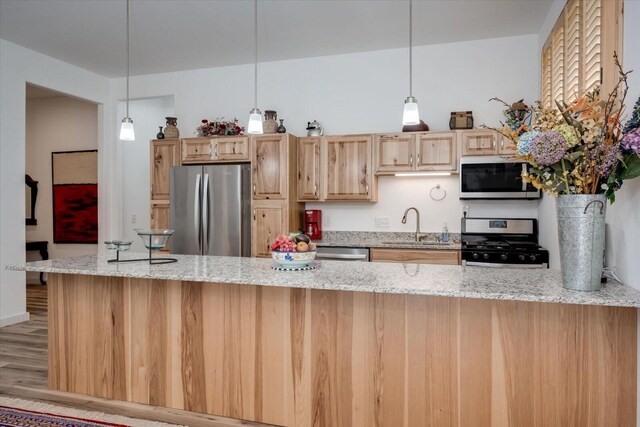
pixel 342 254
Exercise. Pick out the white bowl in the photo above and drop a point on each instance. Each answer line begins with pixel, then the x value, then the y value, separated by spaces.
pixel 293 259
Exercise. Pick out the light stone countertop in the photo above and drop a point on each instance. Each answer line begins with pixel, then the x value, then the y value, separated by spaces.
pixel 386 239
pixel 437 280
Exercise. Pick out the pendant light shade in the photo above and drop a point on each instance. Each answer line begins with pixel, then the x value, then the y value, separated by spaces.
pixel 126 128
pixel 410 116
pixel 255 122
pixel 255 116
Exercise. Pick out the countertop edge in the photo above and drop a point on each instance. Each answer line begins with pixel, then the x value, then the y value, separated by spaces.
pixel 397 291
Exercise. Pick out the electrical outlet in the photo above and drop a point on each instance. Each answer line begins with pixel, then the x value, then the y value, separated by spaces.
pixel 382 222
pixel 326 221
pixel 133 219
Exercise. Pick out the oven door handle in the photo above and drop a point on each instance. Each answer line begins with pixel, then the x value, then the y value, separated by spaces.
pixel 501 265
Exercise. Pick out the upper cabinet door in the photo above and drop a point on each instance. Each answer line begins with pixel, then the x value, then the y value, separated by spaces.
pixel 507 146
pixel 349 168
pixel 479 142
pixel 164 155
pixel 437 151
pixel 196 150
pixel 309 187
pixel 230 148
pixel 395 153
pixel 269 165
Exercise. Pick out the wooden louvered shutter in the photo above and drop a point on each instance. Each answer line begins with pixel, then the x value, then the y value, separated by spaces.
pixel 557 64
pixel 572 27
pixel 591 54
pixel 545 97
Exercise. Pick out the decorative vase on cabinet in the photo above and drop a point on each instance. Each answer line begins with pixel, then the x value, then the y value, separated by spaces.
pixel 160 135
pixel 270 124
pixel 281 128
pixel 171 131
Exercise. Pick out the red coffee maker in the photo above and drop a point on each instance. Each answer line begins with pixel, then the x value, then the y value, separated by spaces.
pixel 313 224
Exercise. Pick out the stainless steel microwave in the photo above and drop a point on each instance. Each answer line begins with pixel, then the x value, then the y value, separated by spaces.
pixel 494 177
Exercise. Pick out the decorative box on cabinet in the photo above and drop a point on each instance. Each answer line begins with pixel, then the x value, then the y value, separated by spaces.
pixel 309 166
pixel 349 163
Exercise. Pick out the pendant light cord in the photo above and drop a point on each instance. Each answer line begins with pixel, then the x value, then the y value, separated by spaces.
pixel 127 58
pixel 255 54
pixel 410 48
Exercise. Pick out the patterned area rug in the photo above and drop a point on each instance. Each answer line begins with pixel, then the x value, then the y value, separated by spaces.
pixel 23 413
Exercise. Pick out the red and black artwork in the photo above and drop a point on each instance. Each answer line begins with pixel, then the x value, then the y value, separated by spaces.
pixel 75 196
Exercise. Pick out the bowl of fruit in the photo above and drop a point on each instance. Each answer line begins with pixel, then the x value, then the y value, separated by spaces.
pixel 293 251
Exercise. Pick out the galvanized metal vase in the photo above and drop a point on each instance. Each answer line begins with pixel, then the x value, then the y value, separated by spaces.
pixel 581 227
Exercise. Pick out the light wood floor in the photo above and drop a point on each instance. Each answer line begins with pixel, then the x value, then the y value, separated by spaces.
pixel 23 374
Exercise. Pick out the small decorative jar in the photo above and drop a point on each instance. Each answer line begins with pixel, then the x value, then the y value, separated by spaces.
pixel 160 135
pixel 170 130
pixel 270 124
pixel 281 128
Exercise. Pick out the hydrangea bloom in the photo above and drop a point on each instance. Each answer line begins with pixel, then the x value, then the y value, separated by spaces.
pixel 568 133
pixel 524 143
pixel 631 142
pixel 606 157
pixel 548 148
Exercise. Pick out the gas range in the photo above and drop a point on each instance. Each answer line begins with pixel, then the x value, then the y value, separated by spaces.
pixel 502 242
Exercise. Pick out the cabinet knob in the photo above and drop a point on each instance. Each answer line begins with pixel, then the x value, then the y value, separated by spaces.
pixel 315 189
pixel 254 189
pixel 411 160
pixel 254 214
pixel 493 143
pixel 367 189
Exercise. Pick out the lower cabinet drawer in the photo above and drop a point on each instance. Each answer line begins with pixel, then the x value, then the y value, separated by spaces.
pixel 416 256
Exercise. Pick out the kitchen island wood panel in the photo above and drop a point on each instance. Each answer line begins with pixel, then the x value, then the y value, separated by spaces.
pixel 301 357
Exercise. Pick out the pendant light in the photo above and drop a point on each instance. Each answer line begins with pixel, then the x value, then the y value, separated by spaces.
pixel 126 129
pixel 410 115
pixel 255 116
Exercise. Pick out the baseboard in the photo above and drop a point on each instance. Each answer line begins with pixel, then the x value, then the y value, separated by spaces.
pixel 11 320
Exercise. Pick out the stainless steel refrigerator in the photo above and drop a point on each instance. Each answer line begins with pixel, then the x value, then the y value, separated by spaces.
pixel 211 210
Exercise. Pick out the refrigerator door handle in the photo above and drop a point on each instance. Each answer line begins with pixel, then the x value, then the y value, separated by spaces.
pixel 196 212
pixel 205 214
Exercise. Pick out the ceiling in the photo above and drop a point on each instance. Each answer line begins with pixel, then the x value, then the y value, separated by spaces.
pixel 172 35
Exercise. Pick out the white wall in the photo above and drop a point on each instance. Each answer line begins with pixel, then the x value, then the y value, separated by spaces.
pixel 364 92
pixel 148 114
pixel 55 124
pixel 17 67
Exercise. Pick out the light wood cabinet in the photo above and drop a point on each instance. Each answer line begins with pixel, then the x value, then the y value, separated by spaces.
pixel 160 218
pixel 309 169
pixel 165 153
pixel 437 151
pixel 269 219
pixel 196 150
pixel 270 168
pixel 507 146
pixel 395 152
pixel 416 256
pixel 479 142
pixel 230 148
pixel 349 161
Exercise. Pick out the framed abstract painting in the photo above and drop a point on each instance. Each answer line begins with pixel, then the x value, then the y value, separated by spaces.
pixel 75 196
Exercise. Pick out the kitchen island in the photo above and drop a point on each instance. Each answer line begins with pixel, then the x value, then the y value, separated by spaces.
pixel 357 344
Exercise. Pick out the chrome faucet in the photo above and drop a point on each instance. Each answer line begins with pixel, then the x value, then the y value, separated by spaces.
pixel 404 221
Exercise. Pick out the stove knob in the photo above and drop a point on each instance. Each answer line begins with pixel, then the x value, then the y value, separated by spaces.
pixel 532 257
pixel 521 257
pixel 485 256
pixel 475 255
pixel 503 257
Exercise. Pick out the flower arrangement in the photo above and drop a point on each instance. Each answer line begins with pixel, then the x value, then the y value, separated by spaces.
pixel 581 147
pixel 219 127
